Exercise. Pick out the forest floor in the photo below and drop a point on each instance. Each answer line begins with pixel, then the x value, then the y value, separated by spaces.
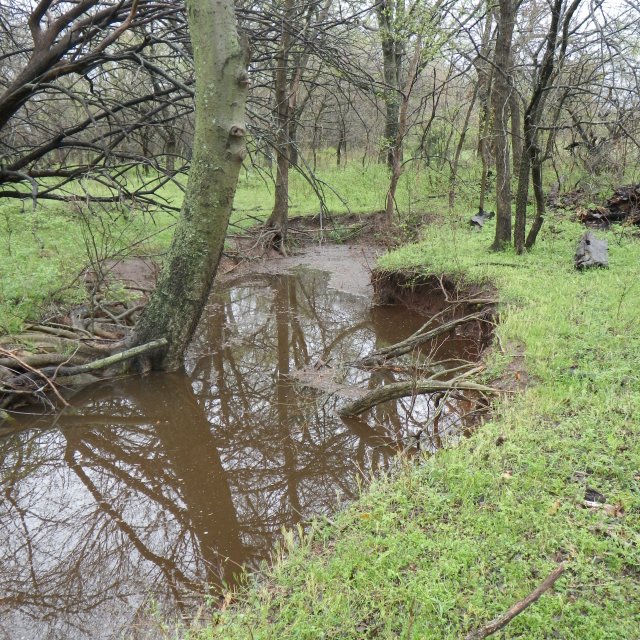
pixel 443 546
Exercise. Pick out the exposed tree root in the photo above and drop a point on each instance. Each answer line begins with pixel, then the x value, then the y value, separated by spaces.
pixel 68 352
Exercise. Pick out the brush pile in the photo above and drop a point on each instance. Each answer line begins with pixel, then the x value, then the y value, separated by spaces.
pixel 623 206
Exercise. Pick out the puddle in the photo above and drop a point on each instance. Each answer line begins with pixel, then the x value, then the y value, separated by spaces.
pixel 149 492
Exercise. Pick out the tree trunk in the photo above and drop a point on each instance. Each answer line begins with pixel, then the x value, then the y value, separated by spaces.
pixel 392 66
pixel 171 149
pixel 533 117
pixel 500 113
pixel 516 129
pixel 484 88
pixel 536 174
pixel 522 194
pixel 453 177
pixel 218 151
pixel 279 218
pixel 396 167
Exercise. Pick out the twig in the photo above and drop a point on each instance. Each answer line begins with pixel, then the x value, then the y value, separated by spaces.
pixel 24 365
pixel 517 608
pixel 398 390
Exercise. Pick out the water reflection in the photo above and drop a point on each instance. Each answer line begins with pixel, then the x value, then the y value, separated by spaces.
pixel 149 492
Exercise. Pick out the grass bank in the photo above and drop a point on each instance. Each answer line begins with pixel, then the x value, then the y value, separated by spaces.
pixel 447 544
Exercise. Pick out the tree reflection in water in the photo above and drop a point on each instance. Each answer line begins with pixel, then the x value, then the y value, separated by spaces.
pixel 159 489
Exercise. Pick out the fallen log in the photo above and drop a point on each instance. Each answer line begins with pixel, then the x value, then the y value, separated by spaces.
pixel 405 389
pixel 379 357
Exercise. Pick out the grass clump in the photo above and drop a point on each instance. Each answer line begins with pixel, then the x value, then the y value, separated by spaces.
pixel 445 545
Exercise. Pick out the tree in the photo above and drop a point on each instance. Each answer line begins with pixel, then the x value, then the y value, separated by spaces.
pixel 84 86
pixel 218 151
pixel 500 114
pixel 299 36
pixel 531 158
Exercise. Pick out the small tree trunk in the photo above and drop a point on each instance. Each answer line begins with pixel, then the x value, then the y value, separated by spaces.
pixel 522 194
pixel 453 178
pixel 392 66
pixel 218 151
pixel 170 152
pixel 516 129
pixel 396 167
pixel 500 110
pixel 484 90
pixel 536 174
pixel 279 219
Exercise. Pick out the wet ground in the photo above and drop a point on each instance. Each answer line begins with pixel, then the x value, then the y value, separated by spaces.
pixel 149 492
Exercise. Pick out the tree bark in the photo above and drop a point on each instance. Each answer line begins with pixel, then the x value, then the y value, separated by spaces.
pixel 516 129
pixel 401 130
pixel 484 90
pixel 279 218
pixel 500 113
pixel 388 14
pixel 218 151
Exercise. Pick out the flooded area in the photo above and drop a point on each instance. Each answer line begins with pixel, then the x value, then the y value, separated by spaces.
pixel 148 493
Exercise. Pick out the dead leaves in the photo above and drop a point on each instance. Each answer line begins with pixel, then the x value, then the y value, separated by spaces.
pixel 612 510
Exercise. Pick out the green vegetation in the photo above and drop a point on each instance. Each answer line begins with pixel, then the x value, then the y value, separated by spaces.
pixel 44 252
pixel 449 543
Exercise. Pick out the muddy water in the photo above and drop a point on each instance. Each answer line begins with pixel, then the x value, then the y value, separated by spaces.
pixel 149 492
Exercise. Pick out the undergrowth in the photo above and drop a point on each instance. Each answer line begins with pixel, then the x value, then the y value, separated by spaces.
pixel 443 546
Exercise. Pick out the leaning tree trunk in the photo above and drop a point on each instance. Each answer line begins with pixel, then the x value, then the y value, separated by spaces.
pixel 218 151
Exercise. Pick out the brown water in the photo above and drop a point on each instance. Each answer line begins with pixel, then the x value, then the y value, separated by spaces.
pixel 149 492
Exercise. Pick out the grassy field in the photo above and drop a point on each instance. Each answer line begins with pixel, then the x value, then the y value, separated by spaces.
pixel 445 545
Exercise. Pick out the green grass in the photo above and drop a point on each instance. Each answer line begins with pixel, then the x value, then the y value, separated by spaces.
pixel 449 543
pixel 43 252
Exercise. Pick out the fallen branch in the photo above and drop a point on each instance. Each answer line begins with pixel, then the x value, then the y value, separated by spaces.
pixel 39 359
pixel 411 388
pixel 379 357
pixel 59 373
pixel 116 358
pixel 39 373
pixel 517 608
